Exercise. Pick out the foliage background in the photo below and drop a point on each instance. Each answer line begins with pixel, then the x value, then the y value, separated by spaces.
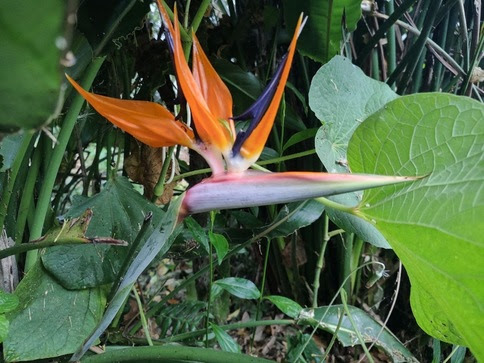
pixel 117 49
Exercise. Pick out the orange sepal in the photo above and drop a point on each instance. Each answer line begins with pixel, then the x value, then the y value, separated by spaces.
pixel 146 121
pixel 253 146
pixel 210 129
pixel 214 90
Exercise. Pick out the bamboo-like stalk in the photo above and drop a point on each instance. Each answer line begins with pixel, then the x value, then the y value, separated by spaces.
pixel 56 159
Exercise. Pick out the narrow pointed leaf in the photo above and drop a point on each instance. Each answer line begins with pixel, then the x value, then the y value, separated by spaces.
pixel 148 122
pixel 157 243
pixel 250 189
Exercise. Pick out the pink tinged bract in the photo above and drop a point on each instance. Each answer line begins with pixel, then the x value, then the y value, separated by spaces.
pixel 255 188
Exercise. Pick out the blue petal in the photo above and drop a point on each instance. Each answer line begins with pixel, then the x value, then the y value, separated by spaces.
pixel 257 110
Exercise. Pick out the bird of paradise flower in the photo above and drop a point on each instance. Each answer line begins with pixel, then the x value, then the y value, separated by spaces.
pixel 228 153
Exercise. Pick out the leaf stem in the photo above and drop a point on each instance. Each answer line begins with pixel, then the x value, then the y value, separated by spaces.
pixel 320 262
pixel 142 316
pixel 344 299
pixel 341 207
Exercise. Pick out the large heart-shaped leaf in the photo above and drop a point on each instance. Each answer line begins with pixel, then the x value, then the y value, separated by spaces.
pixel 50 320
pixel 118 211
pixel 29 61
pixel 342 96
pixel 323 33
pixel 434 224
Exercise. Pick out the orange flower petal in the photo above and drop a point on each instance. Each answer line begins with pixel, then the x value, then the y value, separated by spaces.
pixel 253 146
pixel 148 122
pixel 209 127
pixel 214 90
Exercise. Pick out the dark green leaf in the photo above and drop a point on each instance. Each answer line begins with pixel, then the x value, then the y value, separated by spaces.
pixel 221 245
pixel 3 327
pixel 50 320
pixel 321 37
pixel 226 342
pixel 327 318
pixel 29 61
pixel 118 211
pixel 434 224
pixel 9 147
pixel 286 305
pixel 242 288
pixel 104 22
pixel 8 302
pixel 157 243
pixel 310 211
pixel 299 137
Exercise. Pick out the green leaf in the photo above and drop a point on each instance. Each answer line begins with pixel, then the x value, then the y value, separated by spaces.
pixel 352 224
pixel 198 233
pixel 8 302
pixel 110 23
pixel 434 224
pixel 29 62
pixel 286 305
pixel 118 211
pixel 226 342
pixel 221 245
pixel 50 320
pixel 322 35
pixel 342 96
pixel 327 318
pixel 237 286
pixel 9 147
pixel 308 212
pixel 159 242
pixel 299 137
pixel 3 327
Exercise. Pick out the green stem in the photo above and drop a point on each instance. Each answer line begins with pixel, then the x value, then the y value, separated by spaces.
pixel 341 207
pixel 344 299
pixel 170 354
pixel 197 19
pixel 333 338
pixel 262 288
pixel 380 33
pixel 32 246
pixel 392 49
pixel 347 257
pixel 28 193
pixel 233 326
pixel 210 282
pixel 12 176
pixel 56 159
pixel 320 263
pixel 160 185
pixel 410 61
pixel 142 316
